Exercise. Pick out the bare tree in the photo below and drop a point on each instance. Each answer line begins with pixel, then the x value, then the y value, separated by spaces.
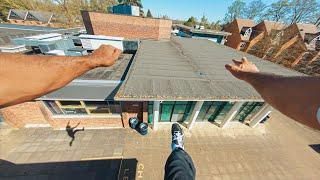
pixel 278 11
pixel 255 10
pixel 235 10
pixel 303 11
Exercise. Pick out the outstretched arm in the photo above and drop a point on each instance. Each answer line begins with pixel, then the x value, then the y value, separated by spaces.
pixel 24 78
pixel 296 97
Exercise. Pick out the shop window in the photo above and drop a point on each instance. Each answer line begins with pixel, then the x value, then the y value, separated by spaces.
pixel 166 111
pixel 74 111
pixel 84 107
pixel 150 112
pixel 175 111
pixel 69 103
pixel 247 110
pixel 53 107
pixel 214 111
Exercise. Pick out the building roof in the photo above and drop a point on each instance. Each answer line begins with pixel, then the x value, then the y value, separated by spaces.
pixel 189 69
pixel 11 31
pixel 98 84
pixel 307 29
pixel 203 31
pixel 44 17
pixel 18 12
pixel 244 23
pixel 114 72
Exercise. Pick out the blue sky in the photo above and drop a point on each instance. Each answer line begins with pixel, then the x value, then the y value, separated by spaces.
pixel 183 9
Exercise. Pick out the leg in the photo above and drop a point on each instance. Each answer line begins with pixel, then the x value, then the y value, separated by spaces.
pixel 179 164
pixel 71 141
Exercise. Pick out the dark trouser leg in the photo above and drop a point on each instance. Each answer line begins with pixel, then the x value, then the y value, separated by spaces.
pixel 179 165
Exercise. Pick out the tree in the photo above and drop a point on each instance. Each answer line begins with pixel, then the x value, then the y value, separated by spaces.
pixel 303 11
pixel 149 14
pixel 216 25
pixel 278 11
pixel 235 10
pixel 255 10
pixel 204 22
pixel 165 17
pixel 192 21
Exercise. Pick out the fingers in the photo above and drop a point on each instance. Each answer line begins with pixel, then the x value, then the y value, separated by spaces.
pixel 231 68
pixel 244 60
pixel 236 62
pixel 116 52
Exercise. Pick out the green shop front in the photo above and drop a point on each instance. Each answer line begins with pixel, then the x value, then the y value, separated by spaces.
pixel 216 112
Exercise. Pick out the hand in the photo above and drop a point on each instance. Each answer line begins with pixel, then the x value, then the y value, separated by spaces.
pixel 241 68
pixel 106 55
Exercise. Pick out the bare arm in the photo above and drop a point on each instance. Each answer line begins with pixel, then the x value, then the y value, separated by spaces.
pixel 24 78
pixel 296 97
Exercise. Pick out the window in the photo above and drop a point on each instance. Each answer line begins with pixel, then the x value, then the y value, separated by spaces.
pixel 90 108
pixel 247 110
pixel 214 111
pixel 175 111
pixel 150 112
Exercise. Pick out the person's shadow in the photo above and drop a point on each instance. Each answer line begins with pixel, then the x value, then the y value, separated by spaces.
pixel 71 132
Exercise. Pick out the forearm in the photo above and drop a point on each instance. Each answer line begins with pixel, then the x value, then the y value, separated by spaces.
pixel 296 97
pixel 26 77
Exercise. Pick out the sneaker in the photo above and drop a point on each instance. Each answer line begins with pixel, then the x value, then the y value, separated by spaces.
pixel 177 137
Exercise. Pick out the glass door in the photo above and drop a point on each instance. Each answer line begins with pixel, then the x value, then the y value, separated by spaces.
pixel 166 111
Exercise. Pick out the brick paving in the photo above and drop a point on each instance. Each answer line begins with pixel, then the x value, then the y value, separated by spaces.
pixel 277 150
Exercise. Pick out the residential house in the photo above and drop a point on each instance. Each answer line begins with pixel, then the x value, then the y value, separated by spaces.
pixel 295 46
pixel 241 30
pixel 262 37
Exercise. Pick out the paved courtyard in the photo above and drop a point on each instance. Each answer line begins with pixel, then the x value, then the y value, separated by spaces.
pixel 280 149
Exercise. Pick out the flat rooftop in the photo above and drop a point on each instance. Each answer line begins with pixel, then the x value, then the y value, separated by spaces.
pixel 189 69
pixel 10 31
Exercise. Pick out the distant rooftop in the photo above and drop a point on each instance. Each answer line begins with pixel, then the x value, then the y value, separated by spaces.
pixel 189 69
pixel 203 31
pixel 11 31
pixel 20 14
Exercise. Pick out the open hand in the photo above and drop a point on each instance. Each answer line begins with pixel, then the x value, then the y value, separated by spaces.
pixel 106 55
pixel 241 68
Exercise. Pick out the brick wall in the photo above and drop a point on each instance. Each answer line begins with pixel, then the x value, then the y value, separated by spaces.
pixel 234 39
pixel 26 113
pixel 31 113
pixel 129 27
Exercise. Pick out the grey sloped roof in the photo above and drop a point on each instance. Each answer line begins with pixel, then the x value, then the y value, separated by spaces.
pixel 19 12
pixel 41 16
pixel 189 69
pixel 97 84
